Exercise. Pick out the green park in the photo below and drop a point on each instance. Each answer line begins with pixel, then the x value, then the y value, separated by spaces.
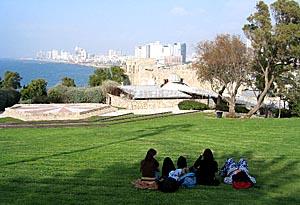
pixel 96 165
pixel 79 156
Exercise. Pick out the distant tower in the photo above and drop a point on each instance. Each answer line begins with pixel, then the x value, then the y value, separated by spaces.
pixel 183 52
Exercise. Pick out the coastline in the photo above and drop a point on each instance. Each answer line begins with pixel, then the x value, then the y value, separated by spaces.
pixel 51 71
pixel 57 62
pixel 88 65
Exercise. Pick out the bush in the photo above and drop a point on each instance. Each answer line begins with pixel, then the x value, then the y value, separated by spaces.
pixel 8 97
pixel 108 86
pixel 94 95
pixel 35 89
pixel 192 105
pixel 63 94
pixel 241 109
pixel 222 107
pixel 285 113
pixel 75 95
pixel 295 107
pixel 57 94
pixel 40 100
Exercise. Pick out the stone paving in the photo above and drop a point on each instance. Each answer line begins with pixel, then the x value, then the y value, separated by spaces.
pixel 37 112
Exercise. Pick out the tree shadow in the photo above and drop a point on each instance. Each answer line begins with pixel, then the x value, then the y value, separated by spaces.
pixel 152 131
pixel 149 132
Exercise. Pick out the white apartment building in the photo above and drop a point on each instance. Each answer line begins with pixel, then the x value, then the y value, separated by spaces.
pixel 81 54
pixel 164 54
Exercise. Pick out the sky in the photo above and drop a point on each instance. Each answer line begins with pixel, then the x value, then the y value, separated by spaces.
pixel 28 26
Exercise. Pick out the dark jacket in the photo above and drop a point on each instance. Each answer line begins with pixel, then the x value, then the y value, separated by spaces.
pixel 149 167
pixel 205 171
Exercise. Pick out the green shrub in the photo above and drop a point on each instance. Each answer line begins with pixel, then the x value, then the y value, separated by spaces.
pixel 8 97
pixel 94 95
pixel 75 95
pixel 63 94
pixel 40 100
pixel 241 109
pixel 35 88
pixel 192 105
pixel 108 86
pixel 222 106
pixel 57 94
pixel 285 113
pixel 295 107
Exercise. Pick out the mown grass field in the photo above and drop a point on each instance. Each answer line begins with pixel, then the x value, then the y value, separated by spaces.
pixel 96 165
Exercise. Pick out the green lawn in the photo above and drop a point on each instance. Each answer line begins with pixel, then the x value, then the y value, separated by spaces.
pixel 92 165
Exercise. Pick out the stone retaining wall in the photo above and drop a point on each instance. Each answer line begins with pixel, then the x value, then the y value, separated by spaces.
pixel 123 102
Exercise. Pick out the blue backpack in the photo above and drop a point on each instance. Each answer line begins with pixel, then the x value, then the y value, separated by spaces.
pixel 188 180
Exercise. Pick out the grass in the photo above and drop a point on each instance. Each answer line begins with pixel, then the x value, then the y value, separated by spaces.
pixel 9 120
pixel 96 165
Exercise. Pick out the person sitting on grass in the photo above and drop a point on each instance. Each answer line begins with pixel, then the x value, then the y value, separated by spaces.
pixel 167 167
pixel 237 174
pixel 149 169
pixel 181 163
pixel 205 168
pixel 150 166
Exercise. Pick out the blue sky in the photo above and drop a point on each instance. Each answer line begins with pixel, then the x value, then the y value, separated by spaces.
pixel 27 26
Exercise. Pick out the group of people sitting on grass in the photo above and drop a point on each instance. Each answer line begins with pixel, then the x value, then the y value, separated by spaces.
pixel 203 172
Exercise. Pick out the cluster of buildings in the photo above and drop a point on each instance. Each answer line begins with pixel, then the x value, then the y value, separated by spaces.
pixel 81 56
pixel 162 54
pixel 165 54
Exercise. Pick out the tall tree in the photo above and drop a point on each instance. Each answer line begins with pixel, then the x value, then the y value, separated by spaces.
pixel 115 73
pixel 36 88
pixel 224 62
pixel 276 46
pixel 68 82
pixel 11 80
pixel 98 77
pixel 1 82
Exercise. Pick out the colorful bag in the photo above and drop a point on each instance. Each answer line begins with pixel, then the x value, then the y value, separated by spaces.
pixel 188 180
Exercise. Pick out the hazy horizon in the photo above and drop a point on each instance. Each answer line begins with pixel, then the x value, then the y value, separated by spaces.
pixel 32 25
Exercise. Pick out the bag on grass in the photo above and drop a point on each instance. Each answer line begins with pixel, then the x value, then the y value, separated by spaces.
pixel 188 180
pixel 168 185
pixel 241 181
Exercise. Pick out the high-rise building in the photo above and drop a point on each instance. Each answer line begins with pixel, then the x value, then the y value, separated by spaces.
pixel 166 54
pixel 81 54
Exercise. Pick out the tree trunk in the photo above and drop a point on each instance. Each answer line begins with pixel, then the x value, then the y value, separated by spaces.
pixel 219 99
pixel 279 107
pixel 262 96
pixel 231 109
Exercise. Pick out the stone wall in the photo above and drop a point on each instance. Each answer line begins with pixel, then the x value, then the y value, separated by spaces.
pixel 124 102
pixel 147 73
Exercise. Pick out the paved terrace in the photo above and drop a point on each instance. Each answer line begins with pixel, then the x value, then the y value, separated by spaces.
pixel 38 112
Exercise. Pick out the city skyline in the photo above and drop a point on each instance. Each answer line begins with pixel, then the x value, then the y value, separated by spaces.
pixel 30 26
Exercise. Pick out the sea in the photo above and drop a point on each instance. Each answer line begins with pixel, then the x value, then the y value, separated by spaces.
pixel 50 71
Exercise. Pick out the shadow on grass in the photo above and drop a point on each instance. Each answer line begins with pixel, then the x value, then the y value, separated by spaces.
pixel 152 131
pixel 112 185
pixel 142 133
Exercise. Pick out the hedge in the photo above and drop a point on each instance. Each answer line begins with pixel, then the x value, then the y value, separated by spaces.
pixel 192 105
pixel 63 94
